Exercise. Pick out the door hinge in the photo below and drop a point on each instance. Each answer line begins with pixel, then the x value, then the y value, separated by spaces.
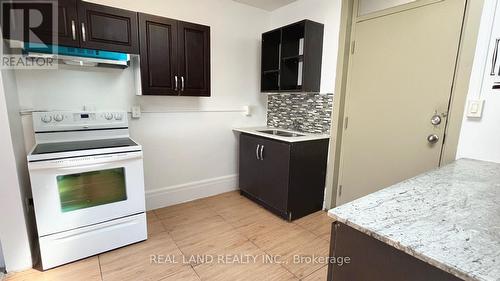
pixel 346 122
pixel 340 190
pixel 353 47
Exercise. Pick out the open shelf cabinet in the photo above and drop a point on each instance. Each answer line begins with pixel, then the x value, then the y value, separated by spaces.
pixel 291 58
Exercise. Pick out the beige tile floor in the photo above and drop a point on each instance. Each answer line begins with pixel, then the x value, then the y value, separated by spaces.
pixel 227 225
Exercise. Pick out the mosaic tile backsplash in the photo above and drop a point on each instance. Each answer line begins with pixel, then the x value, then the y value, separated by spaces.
pixel 303 112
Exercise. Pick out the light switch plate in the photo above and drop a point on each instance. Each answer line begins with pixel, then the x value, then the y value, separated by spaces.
pixel 475 108
pixel 136 112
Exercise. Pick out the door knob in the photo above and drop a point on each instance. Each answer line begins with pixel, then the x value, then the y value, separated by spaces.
pixel 436 120
pixel 433 139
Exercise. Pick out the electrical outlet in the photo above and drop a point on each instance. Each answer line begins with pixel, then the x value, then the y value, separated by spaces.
pixel 475 108
pixel 136 112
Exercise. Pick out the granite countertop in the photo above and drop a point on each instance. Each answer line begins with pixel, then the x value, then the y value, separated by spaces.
pixel 305 137
pixel 449 218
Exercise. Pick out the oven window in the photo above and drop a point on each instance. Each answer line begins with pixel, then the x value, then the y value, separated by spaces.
pixel 90 189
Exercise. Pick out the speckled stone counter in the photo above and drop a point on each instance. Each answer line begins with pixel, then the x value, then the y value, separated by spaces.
pixel 449 218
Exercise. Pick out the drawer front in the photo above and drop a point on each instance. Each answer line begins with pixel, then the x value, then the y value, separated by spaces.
pixel 65 247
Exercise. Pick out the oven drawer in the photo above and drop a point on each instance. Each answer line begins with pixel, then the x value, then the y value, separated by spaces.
pixel 77 192
pixel 65 247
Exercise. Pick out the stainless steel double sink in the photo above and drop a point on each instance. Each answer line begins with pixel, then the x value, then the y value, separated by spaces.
pixel 281 133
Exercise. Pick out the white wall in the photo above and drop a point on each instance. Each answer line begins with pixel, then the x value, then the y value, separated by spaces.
pixel 180 149
pixel 326 12
pixel 14 220
pixel 480 139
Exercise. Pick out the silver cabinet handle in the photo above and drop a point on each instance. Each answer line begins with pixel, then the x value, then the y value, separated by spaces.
pixel 182 83
pixel 262 152
pixel 73 29
pixel 84 37
pixel 257 152
pixel 176 83
pixel 495 57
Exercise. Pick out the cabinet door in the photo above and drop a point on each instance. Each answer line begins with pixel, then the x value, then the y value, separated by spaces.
pixel 250 165
pixel 67 23
pixel 275 173
pixel 108 28
pixel 58 20
pixel 194 59
pixel 158 44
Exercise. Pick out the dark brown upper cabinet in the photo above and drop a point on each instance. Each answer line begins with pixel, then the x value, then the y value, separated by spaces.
pixel 67 23
pixel 158 44
pixel 81 24
pixel 66 20
pixel 194 59
pixel 271 60
pixel 175 57
pixel 108 28
pixel 291 58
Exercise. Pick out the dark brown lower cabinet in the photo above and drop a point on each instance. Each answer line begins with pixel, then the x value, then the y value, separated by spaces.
pixel 285 178
pixel 374 260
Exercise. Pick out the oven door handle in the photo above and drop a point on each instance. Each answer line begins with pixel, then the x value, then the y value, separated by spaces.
pixel 83 167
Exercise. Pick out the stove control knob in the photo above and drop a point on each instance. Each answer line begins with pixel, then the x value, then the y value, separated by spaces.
pixel 46 119
pixel 108 116
pixel 59 117
pixel 118 116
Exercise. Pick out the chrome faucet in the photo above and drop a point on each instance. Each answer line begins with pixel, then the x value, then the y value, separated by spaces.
pixel 296 125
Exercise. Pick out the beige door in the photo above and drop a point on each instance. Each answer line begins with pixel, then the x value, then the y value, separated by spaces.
pixel 400 76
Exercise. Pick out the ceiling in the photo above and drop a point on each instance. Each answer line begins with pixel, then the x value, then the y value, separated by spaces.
pixel 269 5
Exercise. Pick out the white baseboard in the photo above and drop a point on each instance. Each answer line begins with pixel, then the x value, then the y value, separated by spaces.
pixel 172 195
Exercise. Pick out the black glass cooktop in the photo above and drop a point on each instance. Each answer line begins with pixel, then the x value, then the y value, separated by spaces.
pixel 56 147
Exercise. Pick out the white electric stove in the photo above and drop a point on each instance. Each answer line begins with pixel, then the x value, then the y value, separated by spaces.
pixel 87 182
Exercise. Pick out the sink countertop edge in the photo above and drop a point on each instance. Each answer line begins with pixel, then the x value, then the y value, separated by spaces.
pixel 306 137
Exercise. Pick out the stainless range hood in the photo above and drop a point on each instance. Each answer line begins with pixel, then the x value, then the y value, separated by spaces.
pixel 78 56
pixel 81 61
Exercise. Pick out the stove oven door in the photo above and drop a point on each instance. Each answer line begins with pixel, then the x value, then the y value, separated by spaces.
pixel 76 192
